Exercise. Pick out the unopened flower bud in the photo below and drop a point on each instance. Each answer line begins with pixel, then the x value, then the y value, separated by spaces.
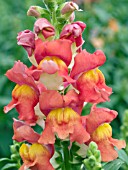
pixel 26 39
pixel 69 7
pixel 44 27
pixel 34 11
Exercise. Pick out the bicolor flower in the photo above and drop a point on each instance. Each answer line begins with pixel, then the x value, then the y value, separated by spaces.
pixel 43 27
pixel 97 125
pixel 89 79
pixel 73 32
pixel 35 156
pixel 26 39
pixel 53 72
pixel 24 99
pixel 64 122
pixel 56 48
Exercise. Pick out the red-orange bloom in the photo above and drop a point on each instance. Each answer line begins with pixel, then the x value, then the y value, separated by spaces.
pixel 92 87
pixel 89 80
pixel 65 122
pixel 56 48
pixel 97 125
pixel 24 99
pixel 35 156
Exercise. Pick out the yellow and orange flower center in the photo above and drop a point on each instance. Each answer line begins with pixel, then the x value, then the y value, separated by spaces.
pixel 30 153
pixel 63 115
pixel 103 132
pixel 23 91
pixel 93 76
pixel 56 60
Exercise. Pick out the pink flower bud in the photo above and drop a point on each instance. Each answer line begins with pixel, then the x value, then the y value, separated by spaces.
pixel 69 7
pixel 26 39
pixel 73 32
pixel 43 25
pixel 34 11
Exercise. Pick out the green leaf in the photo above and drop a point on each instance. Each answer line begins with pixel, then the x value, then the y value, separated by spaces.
pixel 114 165
pixel 123 156
pixel 9 165
pixel 5 159
pixel 86 110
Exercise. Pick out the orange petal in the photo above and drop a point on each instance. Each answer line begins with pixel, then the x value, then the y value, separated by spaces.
pixel 99 116
pixel 44 49
pixel 118 143
pixel 49 100
pixel 108 153
pixel 85 61
pixel 23 132
pixel 20 74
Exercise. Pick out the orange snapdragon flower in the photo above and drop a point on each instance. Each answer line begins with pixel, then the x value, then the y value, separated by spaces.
pixel 97 125
pixel 35 156
pixel 90 81
pixel 64 122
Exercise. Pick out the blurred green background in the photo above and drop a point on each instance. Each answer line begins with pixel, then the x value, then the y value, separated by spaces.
pixel 107 29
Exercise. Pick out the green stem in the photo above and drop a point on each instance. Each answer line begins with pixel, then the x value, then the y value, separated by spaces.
pixel 66 154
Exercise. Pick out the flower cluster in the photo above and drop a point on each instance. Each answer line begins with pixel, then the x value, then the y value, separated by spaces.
pixel 53 91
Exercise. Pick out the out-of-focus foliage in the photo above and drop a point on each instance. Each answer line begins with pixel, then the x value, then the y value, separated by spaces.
pixel 107 29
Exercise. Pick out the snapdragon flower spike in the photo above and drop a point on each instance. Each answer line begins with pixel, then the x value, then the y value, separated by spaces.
pixel 35 156
pixel 65 122
pixel 89 79
pixel 73 32
pixel 26 39
pixel 24 99
pixel 97 125
pixel 42 26
pixel 51 99
pixel 55 48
